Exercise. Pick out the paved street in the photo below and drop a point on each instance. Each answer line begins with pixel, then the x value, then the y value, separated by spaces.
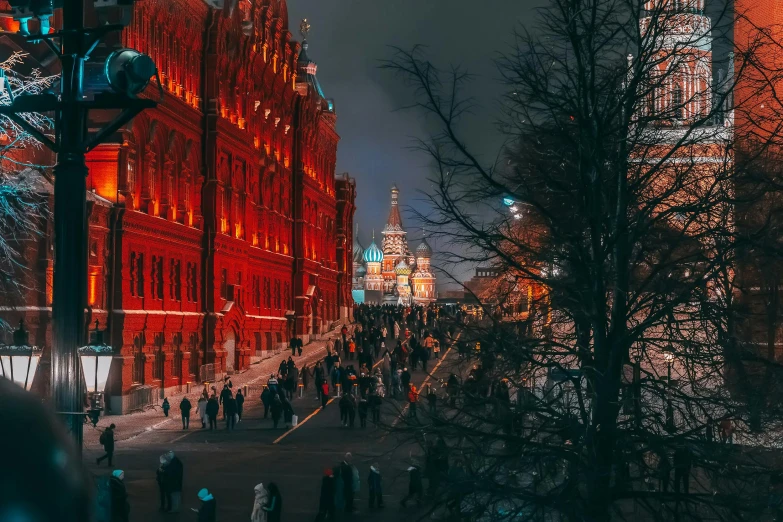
pixel 230 464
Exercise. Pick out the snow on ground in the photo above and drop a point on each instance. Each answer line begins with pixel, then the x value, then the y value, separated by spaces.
pixel 135 424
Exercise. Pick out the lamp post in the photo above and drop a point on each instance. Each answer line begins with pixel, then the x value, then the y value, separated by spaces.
pixel 19 361
pixel 96 361
pixel 126 74
pixel 668 355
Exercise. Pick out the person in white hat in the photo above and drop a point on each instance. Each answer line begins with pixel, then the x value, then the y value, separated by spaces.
pixel 120 509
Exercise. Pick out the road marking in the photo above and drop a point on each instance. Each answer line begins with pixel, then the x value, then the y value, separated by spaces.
pixel 289 432
pixel 316 412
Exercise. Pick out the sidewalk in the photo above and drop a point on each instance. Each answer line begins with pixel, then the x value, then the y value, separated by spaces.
pixel 130 426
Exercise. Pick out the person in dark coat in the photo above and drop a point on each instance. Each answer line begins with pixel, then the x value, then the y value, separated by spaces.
pixel 173 473
pixel 165 406
pixel 274 506
pixel 212 412
pixel 288 412
pixel 415 486
pixel 277 410
pixel 346 475
pixel 305 374
pixel 683 459
pixel 207 512
pixel 375 406
pixel 107 441
pixel 184 408
pixel 326 507
pixel 266 398
pixel 230 411
pixel 120 509
pixel 363 409
pixel 240 399
pixel 225 394
pixel 374 486
pixel 405 379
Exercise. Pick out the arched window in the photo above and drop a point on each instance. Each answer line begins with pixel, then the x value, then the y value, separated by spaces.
pixel 678 104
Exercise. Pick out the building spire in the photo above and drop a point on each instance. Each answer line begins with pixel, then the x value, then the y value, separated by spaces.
pixel 394 223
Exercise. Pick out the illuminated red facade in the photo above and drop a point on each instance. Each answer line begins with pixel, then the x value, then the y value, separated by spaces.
pixel 217 225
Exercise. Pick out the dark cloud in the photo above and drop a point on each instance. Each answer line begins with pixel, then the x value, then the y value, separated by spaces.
pixel 349 38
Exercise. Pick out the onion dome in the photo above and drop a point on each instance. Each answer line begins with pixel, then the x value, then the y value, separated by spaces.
pixel 373 254
pixel 424 250
pixel 361 271
pixel 402 268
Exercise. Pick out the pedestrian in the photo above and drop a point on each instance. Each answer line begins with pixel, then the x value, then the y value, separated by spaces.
pixel 288 413
pixel 375 407
pixel 212 412
pixel 230 412
pixel 405 380
pixel 107 441
pixel 274 504
pixel 324 394
pixel 343 405
pixel 259 502
pixel 452 385
pixel 160 478
pixel 266 399
pixel 346 475
pixel 432 399
pixel 225 394
pixel 292 345
pixel 202 411
pixel 326 503
pixel 415 486
pixel 207 512
pixel 682 468
pixel 351 349
pixel 363 409
pixel 240 400
pixel 306 373
pixel 374 486
pixel 120 508
pixel 726 431
pixel 413 397
pixel 299 346
pixel 277 410
pixel 173 476
pixel 351 409
pixel 166 406
pixel 184 408
pixel 273 384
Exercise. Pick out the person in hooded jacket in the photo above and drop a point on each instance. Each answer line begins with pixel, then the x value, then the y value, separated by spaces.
pixel 260 500
pixel 207 512
pixel 274 504
pixel 120 509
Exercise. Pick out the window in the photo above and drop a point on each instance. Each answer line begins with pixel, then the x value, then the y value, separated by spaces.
pixel 131 183
pixel 137 274
pixel 156 282
pixel 256 291
pixel 677 103
pixel 194 355
pixel 138 359
pixel 224 283
pixel 176 370
pixel 192 282
pixel 158 368
pixel 175 280
pixel 267 293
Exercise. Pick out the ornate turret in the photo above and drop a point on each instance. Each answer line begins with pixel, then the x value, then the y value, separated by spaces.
pixel 373 257
pixel 421 280
pixel 402 268
pixel 306 69
pixel 424 250
pixel 373 254
pixel 358 250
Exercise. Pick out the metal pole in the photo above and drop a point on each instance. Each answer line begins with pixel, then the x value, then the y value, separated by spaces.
pixel 70 228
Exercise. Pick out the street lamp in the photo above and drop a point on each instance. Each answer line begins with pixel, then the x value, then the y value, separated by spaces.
pixel 96 361
pixel 19 361
pixel 668 355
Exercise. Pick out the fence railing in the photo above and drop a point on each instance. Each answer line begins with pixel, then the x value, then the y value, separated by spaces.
pixel 141 397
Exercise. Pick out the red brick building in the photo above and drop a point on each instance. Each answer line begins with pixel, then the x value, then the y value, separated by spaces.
pixel 217 225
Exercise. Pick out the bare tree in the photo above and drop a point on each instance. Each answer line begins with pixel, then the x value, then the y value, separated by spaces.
pixel 625 179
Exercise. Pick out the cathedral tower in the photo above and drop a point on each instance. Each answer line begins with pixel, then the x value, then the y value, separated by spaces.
pixel 394 244
pixel 422 279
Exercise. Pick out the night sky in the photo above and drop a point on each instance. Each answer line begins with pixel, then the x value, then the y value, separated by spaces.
pixel 349 38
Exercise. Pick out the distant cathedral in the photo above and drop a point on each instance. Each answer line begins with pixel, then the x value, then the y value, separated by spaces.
pixel 392 274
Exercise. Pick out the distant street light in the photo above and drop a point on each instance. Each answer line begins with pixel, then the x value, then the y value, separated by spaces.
pixel 19 361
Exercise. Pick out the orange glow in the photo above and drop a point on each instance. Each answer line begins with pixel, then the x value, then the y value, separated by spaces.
pixel 257 142
pixel 92 288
